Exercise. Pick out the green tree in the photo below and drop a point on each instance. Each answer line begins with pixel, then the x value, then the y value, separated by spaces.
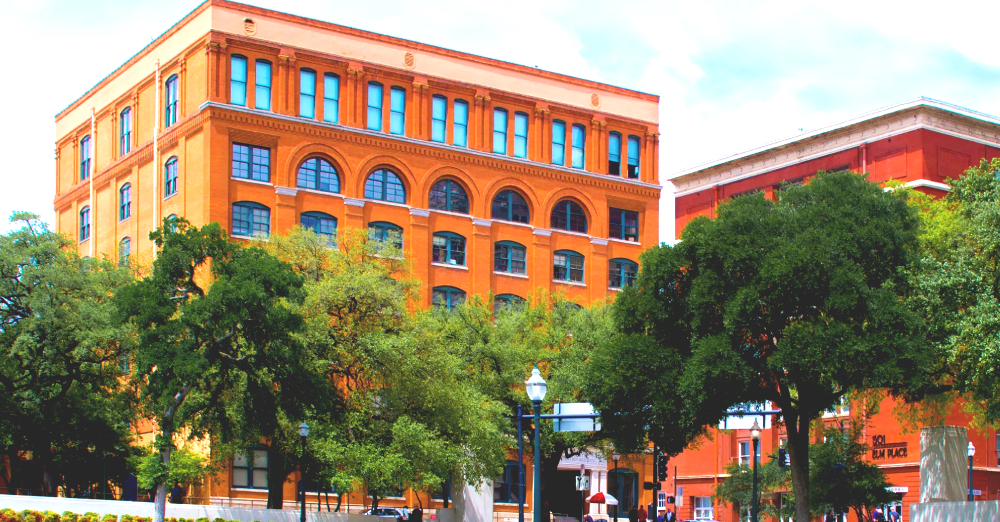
pixel 62 395
pixel 187 468
pixel 772 480
pixel 215 335
pixel 795 301
pixel 841 478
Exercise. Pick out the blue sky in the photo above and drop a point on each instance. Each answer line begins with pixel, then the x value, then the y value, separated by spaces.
pixel 731 74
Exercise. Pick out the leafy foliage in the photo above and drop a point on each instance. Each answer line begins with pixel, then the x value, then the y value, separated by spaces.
pixel 841 478
pixel 61 363
pixel 772 480
pixel 795 301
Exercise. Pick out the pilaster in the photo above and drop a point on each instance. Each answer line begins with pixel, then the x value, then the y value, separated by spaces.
pixel 541 258
pixel 419 119
pixel 354 213
pixel 286 82
pixel 479 255
pixel 597 159
pixel 417 249
pixel 215 50
pixel 597 272
pixel 284 208
pixel 356 95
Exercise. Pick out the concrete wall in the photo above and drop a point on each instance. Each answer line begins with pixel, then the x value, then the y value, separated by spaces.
pixel 956 512
pixel 145 509
pixel 943 464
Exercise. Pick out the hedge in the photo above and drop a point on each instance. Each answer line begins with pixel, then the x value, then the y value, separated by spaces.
pixel 30 515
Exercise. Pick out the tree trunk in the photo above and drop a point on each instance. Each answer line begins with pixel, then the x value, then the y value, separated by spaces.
pixel 550 466
pixel 277 473
pixel 374 502
pixel 160 506
pixel 797 428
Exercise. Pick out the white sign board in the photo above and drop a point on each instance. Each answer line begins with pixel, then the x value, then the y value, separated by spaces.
pixel 745 422
pixel 679 499
pixel 898 489
pixel 582 482
pixel 574 408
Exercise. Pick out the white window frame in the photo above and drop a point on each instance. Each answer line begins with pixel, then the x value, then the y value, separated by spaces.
pixel 703 509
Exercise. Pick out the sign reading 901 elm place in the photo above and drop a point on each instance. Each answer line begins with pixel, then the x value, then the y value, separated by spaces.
pixel 882 449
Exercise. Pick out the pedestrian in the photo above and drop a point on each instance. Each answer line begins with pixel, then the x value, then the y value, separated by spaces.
pixel 176 494
pixel 633 515
pixel 829 516
pixel 588 518
pixel 417 515
pixel 659 517
pixel 641 516
pixel 651 512
pixel 877 515
pixel 670 517
pixel 895 514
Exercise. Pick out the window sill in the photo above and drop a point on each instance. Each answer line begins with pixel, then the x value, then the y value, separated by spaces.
pixel 570 283
pixel 120 221
pixel 511 274
pixel 449 265
pixel 615 288
pixel 253 181
pixel 514 223
pixel 250 238
pixel 624 241
pixel 168 196
pixel 570 232
pixel 390 203
pixel 320 192
pixel 248 490
pixel 450 213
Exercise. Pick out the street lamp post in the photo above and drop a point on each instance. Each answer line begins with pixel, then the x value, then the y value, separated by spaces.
pixel 972 452
pixel 303 433
pixel 618 483
pixel 535 387
pixel 755 436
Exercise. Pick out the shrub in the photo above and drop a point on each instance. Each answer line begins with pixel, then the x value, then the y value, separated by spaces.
pixel 219 519
pixel 125 518
pixel 30 515
pixel 171 519
pixel 109 517
pixel 52 516
pixel 201 519
pixel 69 516
pixel 9 515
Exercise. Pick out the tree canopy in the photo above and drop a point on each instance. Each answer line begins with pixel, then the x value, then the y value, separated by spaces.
pixel 62 395
pixel 796 301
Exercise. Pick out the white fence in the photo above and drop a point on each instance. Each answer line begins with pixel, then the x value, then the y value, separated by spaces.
pixel 192 511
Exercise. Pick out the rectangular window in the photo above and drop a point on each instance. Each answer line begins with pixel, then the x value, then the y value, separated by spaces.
pixel 307 93
pixel 509 258
pixel 624 224
pixel 251 162
pixel 250 473
pixel 439 118
pixel 85 158
pixel 262 93
pixel 744 455
pixel 579 146
pixel 397 110
pixel 558 143
pixel 661 500
pixel 238 80
pixel 374 106
pixel 615 154
pixel 126 131
pixel 171 96
pixel 448 249
pixel 634 148
pixel 460 134
pixel 703 508
pixel 331 98
pixel 520 135
pixel 500 131
pixel 568 267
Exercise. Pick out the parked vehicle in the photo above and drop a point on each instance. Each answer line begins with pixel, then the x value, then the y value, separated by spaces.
pixel 389 513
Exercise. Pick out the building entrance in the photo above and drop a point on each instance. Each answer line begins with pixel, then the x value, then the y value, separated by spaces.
pixel 564 499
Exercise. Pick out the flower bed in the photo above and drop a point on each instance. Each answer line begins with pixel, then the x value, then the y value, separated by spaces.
pixel 30 515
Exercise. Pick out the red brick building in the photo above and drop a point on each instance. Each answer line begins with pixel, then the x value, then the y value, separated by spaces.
pixel 501 178
pixel 920 143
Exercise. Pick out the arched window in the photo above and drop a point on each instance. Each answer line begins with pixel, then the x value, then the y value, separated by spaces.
pixel 615 153
pixel 567 215
pixel 307 93
pixel 251 219
pixel 388 233
pixel 506 488
pixel 84 223
pixel 567 266
pixel 318 174
pixel 623 484
pixel 124 251
pixel 448 248
pixel 85 158
pixel 171 95
pixel 634 148
pixel 510 258
pixel 238 80
pixel 170 177
pixel 262 87
pixel 508 301
pixel 439 118
pixel 124 202
pixel 449 195
pixel 447 297
pixel 323 224
pixel 622 273
pixel 510 206
pixel 579 146
pixel 125 131
pixel 384 185
pixel 171 222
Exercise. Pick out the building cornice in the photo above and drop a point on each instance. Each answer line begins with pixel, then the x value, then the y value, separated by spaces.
pixel 919 114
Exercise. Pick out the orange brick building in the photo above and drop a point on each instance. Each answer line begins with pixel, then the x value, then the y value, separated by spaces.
pixel 500 178
pixel 920 143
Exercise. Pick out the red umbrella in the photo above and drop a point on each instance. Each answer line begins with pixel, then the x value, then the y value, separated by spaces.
pixel 602 498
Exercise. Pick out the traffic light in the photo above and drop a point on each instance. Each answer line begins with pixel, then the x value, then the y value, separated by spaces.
pixel 671 499
pixel 661 468
pixel 781 457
